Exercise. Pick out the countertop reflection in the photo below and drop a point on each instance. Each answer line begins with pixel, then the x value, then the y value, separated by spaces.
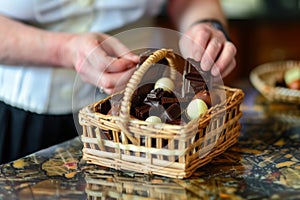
pixel 264 164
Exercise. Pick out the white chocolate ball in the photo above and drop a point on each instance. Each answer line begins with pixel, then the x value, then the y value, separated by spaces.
pixel 165 83
pixel 196 108
pixel 153 119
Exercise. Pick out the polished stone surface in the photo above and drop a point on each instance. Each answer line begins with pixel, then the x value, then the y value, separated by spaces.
pixel 264 164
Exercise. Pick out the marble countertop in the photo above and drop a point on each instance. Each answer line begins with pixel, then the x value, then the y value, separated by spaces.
pixel 264 164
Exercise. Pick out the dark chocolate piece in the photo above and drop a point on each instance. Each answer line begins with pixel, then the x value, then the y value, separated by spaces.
pixel 103 107
pixel 171 100
pixel 171 113
pixel 143 90
pixel 194 78
pixel 155 96
pixel 142 112
pixel 197 87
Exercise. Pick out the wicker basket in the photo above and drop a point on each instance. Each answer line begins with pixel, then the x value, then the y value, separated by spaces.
pixel 178 150
pixel 264 78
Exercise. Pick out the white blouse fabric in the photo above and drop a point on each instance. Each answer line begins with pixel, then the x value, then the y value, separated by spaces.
pixel 47 90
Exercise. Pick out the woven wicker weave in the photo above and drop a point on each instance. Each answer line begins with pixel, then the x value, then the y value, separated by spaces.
pixel 264 78
pixel 178 150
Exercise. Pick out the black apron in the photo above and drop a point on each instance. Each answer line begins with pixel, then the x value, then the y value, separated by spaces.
pixel 22 132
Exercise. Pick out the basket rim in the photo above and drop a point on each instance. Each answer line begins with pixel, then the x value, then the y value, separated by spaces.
pixel 271 92
pixel 236 98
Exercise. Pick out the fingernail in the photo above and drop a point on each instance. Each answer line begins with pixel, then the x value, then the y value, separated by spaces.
pixel 133 57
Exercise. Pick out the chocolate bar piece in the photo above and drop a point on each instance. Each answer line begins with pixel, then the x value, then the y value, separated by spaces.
pixel 171 113
pixel 171 100
pixel 155 96
pixel 142 112
pixel 103 107
pixel 143 90
pixel 194 78
pixel 139 95
pixel 198 86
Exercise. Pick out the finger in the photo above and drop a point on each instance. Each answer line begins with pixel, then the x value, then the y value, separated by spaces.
pixel 212 51
pixel 115 48
pixel 225 58
pixel 119 65
pixel 194 42
pixel 220 75
pixel 112 82
pixel 200 42
pixel 229 68
pixel 102 62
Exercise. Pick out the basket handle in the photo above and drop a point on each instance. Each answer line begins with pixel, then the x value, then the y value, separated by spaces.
pixel 135 80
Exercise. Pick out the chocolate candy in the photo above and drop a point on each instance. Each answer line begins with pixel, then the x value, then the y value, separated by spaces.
pixel 156 99
pixel 205 96
pixel 182 101
pixel 142 112
pixel 194 78
pixel 165 83
pixel 153 119
pixel 103 107
pixel 155 96
pixel 196 108
pixel 173 112
pixel 170 100
pixel 140 94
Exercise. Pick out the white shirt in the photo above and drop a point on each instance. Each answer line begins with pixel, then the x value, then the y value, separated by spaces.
pixel 48 90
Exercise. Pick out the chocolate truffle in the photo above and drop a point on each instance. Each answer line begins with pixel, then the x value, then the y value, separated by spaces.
pixel 165 83
pixel 205 96
pixel 153 119
pixel 196 108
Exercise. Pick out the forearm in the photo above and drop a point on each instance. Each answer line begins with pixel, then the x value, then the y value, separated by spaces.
pixel 184 13
pixel 27 45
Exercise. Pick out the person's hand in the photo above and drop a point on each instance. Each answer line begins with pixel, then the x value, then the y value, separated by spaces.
pixel 208 45
pixel 101 60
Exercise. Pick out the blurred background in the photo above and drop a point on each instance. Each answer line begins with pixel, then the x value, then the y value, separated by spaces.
pixel 263 31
